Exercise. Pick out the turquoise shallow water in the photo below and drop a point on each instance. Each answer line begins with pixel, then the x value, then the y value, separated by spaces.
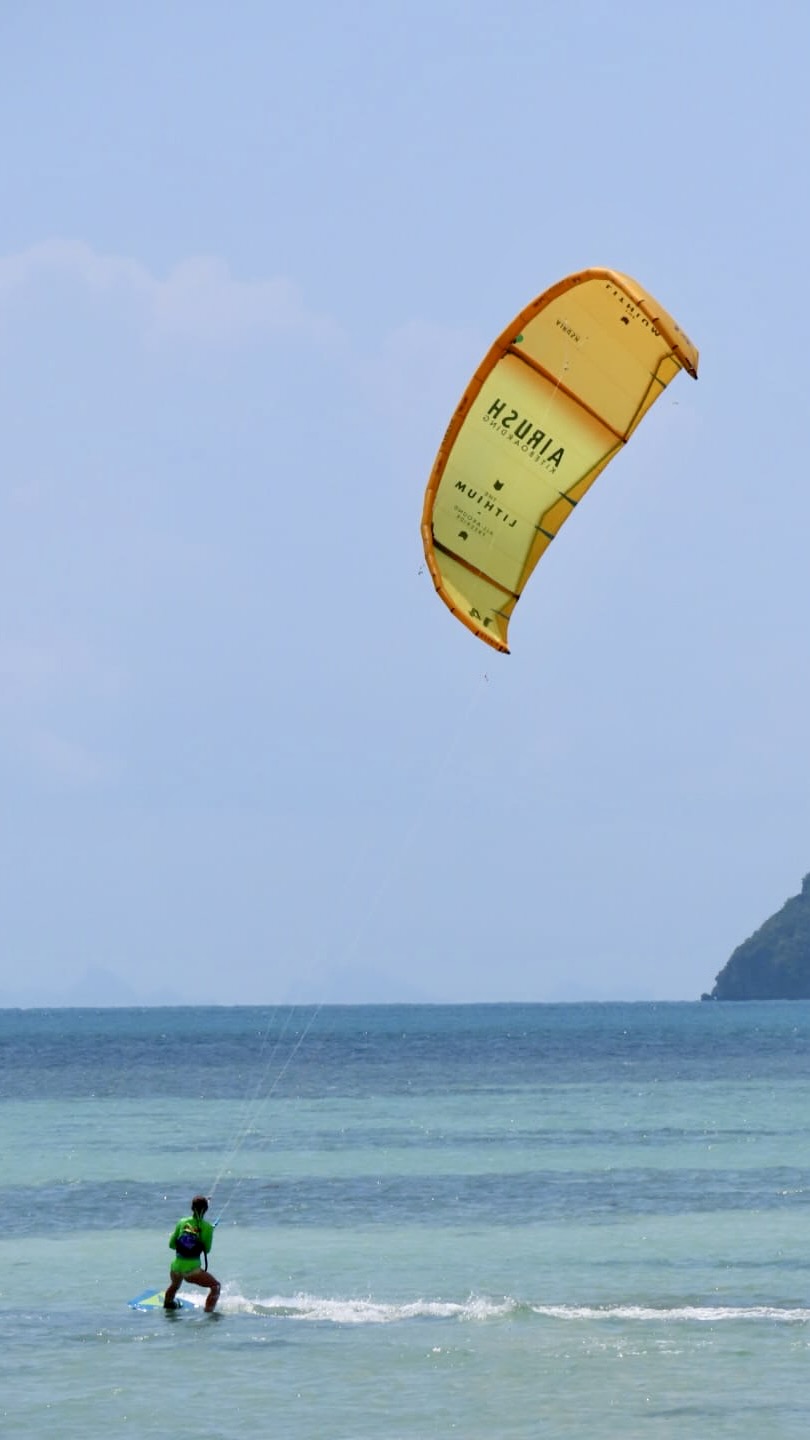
pixel 476 1221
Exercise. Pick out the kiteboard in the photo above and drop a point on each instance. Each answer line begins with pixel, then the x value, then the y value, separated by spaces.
pixel 153 1300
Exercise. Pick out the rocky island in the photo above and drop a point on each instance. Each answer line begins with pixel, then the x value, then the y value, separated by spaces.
pixel 774 962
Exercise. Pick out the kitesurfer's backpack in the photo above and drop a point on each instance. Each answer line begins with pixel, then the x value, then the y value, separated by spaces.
pixel 189 1245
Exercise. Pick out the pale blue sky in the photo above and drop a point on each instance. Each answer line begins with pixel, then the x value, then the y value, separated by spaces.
pixel 250 256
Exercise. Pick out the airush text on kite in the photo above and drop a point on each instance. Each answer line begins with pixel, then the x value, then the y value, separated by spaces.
pixel 524 434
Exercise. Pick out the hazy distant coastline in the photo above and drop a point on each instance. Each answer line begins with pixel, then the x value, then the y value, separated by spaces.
pixel 96 989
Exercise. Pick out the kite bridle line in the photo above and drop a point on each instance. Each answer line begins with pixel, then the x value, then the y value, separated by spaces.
pixel 266 1087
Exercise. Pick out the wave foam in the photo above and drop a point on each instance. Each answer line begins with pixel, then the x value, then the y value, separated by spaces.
pixel 337 1311
pixel 702 1314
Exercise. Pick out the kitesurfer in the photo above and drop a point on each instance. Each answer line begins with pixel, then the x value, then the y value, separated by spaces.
pixel 192 1238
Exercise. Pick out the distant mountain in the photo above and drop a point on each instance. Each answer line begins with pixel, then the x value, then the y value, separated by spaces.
pixel 774 962
pixel 95 989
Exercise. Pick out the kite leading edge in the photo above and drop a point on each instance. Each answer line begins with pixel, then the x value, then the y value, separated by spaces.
pixel 557 395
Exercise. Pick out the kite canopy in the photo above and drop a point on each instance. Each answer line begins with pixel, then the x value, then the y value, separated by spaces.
pixel 559 393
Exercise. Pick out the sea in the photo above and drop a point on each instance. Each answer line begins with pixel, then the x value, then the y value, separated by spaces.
pixel 477 1221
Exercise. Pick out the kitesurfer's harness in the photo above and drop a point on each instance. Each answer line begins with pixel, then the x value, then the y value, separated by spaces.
pixel 189 1243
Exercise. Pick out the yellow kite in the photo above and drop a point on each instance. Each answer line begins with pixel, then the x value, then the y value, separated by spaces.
pixel 559 393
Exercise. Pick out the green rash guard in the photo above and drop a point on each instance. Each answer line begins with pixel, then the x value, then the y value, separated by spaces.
pixel 179 1265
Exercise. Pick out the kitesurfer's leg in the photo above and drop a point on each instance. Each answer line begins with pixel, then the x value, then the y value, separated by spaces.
pixel 209 1282
pixel 175 1281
